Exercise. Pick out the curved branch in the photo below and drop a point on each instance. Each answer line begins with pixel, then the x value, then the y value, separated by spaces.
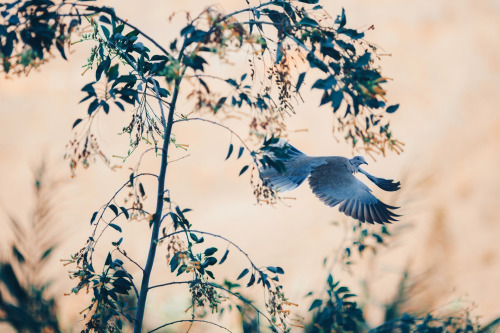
pixel 190 321
pixel 114 196
pixel 220 125
pixel 241 298
pixel 216 236
pixel 114 218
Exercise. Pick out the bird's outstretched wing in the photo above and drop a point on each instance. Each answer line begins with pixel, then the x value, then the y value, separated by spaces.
pixel 334 184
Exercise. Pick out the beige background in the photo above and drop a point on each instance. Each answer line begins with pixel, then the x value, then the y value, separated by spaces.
pixel 446 71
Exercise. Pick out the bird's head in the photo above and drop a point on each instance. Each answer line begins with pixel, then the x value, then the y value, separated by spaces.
pixel 357 161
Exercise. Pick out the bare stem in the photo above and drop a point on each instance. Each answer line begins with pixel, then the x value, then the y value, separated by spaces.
pixel 141 304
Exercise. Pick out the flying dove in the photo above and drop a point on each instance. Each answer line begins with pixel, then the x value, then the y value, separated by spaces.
pixel 332 180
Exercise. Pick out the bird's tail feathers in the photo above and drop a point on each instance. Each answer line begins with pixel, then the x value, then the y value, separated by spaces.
pixel 385 184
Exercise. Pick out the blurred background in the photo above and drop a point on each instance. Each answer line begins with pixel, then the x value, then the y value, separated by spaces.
pixel 446 71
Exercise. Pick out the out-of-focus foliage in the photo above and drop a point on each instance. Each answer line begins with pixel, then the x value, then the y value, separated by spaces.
pixel 25 302
pixel 30 31
pixel 338 312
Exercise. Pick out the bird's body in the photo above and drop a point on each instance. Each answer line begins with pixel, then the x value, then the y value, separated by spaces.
pixel 332 180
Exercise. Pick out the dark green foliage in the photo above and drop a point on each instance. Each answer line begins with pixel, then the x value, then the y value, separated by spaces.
pixel 111 305
pixel 338 312
pixel 29 31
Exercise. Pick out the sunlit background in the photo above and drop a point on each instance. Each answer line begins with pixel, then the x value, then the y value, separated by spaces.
pixel 446 72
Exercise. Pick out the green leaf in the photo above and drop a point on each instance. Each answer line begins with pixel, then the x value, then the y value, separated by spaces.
pixel 300 81
pixel 219 104
pixel 116 227
pixel 341 20
pixel 309 22
pixel 174 262
pixel 141 189
pixel 114 209
pixel 122 282
pixel 232 82
pixel 309 1
pixel 240 152
pixel 245 168
pixel 252 280
pixel 392 108
pixel 112 73
pixel 328 83
pixel 342 290
pixel 93 106
pixel 194 237
pixel 231 147
pixel 79 120
pixel 209 273
pixel 46 253
pixel 315 304
pixel 330 280
pixel 224 257
pixel 105 31
pixel 243 273
pixel 125 212
pixel 276 270
pixel 210 251
pixel 93 218
pixel 19 256
pixel 120 105
pixel 181 269
pixel 210 261
pixel 103 66
pixel 109 260
pixel 104 19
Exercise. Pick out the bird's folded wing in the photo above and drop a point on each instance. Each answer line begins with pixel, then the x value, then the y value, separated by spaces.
pixel 334 184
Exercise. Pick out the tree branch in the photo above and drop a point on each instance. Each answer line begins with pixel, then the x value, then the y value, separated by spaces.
pixel 190 321
pixel 130 259
pixel 216 236
pixel 241 298
pixel 217 124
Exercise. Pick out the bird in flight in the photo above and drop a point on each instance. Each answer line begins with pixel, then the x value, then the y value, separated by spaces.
pixel 332 180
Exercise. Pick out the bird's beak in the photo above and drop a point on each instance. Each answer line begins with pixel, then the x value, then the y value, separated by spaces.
pixel 364 162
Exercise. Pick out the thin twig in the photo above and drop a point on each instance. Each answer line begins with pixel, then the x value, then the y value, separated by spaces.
pixel 130 259
pixel 180 158
pixel 213 235
pixel 190 321
pixel 241 298
pixel 217 124
pixel 114 196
